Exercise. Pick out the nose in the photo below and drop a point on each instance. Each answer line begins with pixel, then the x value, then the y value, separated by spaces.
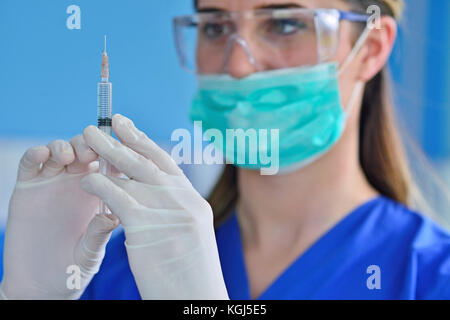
pixel 239 63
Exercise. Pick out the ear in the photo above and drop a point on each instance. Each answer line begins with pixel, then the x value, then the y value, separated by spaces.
pixel 377 48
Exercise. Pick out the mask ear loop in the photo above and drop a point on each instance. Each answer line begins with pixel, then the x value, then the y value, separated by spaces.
pixel 359 86
pixel 355 50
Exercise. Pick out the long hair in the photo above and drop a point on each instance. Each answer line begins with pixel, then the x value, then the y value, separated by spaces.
pixel 381 152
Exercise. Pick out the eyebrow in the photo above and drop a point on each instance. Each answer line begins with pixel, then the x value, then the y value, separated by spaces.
pixel 210 9
pixel 281 6
pixel 269 6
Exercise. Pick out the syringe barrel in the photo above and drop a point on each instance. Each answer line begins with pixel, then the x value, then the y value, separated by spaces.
pixel 104 111
pixel 104 116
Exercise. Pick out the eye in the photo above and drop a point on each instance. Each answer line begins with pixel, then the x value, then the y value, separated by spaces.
pixel 215 30
pixel 285 26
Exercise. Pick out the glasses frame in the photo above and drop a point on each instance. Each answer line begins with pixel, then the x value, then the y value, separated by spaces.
pixel 193 21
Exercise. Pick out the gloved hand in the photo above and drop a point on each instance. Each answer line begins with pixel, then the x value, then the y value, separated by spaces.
pixel 168 226
pixel 52 225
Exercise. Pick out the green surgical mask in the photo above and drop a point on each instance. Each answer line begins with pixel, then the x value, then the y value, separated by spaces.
pixel 303 104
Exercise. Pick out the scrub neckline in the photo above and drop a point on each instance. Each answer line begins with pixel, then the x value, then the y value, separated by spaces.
pixel 306 260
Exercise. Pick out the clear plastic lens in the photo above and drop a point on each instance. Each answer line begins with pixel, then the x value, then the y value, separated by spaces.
pixel 327 26
pixel 208 43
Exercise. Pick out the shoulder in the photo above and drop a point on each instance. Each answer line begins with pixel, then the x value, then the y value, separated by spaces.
pixel 417 227
pixel 423 244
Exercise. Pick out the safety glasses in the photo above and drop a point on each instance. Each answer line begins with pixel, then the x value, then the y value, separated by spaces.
pixel 208 43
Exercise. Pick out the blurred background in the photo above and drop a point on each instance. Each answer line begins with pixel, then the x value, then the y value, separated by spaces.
pixel 49 75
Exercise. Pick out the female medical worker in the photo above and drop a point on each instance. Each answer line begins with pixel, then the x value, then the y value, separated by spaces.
pixel 333 223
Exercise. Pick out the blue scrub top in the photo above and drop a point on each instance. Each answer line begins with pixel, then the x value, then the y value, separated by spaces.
pixel 381 250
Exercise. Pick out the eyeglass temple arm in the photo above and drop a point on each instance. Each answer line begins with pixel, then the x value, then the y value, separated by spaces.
pixel 353 16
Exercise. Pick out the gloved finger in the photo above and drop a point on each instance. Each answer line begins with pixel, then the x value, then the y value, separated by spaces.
pixel 123 158
pixel 137 140
pixel 83 152
pixel 61 154
pixel 116 198
pixel 30 164
pixel 90 250
pixel 157 195
pixel 161 204
pixel 115 172
pixel 84 155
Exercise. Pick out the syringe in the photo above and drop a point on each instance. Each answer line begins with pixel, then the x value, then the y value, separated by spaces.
pixel 104 115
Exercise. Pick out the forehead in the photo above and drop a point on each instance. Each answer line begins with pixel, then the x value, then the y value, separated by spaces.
pixel 241 5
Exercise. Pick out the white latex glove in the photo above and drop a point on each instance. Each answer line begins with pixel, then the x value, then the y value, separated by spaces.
pixel 170 238
pixel 52 225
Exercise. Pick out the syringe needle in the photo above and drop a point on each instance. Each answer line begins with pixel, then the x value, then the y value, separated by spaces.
pixel 105 65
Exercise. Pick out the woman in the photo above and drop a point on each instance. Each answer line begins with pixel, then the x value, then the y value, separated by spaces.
pixel 332 223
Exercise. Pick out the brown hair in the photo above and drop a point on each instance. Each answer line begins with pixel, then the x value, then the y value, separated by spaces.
pixel 381 153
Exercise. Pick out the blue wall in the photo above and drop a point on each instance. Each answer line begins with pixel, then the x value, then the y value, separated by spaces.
pixel 49 74
pixel 421 69
pixel 436 136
